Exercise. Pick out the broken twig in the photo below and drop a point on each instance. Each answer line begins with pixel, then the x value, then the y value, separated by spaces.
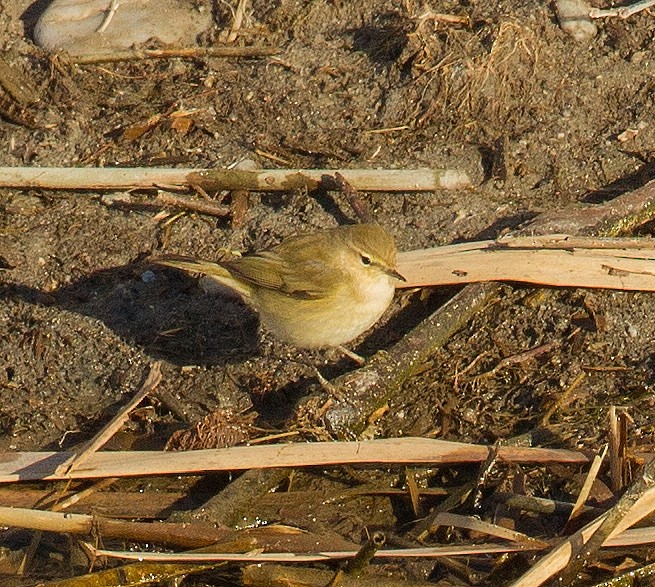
pixel 575 552
pixel 183 53
pixel 150 383
pixel 622 12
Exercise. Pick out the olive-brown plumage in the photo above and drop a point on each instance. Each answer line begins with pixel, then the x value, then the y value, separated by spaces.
pixel 313 290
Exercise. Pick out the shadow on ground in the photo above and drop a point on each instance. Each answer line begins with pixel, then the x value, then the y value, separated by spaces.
pixel 161 310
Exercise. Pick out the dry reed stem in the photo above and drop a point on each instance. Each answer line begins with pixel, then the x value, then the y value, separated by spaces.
pixel 195 535
pixel 22 466
pixel 427 552
pixel 569 558
pixel 100 439
pixel 262 180
pixel 477 525
pixel 586 486
pixel 578 263
pixel 618 441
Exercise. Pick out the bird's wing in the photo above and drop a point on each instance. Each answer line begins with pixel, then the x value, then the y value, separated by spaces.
pixel 308 279
pixel 191 264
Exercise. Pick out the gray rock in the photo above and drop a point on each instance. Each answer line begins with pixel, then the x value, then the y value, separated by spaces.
pixel 86 27
pixel 573 16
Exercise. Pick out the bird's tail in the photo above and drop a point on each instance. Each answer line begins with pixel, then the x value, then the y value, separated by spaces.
pixel 209 268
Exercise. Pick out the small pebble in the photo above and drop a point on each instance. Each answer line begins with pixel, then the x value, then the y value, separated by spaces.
pixel 116 198
pixel 573 16
pixel 148 276
pixel 638 57
pixel 470 415
pixel 627 135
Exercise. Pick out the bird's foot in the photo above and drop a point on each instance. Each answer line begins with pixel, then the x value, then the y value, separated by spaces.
pixel 352 355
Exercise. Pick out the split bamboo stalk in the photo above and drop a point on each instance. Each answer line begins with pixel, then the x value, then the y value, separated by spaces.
pixel 43 465
pixel 555 260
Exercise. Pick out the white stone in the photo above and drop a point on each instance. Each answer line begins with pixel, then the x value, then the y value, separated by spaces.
pixel 74 25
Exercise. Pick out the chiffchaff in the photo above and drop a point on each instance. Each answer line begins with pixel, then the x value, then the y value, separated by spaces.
pixel 313 290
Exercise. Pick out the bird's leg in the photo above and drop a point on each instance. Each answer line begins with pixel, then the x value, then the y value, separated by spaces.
pixel 324 383
pixel 352 355
pixel 330 389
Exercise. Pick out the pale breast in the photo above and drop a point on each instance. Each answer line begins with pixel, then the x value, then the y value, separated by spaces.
pixel 328 322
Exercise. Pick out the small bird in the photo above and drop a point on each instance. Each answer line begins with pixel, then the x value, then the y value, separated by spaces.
pixel 312 290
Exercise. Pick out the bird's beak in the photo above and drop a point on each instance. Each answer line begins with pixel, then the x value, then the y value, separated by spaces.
pixel 394 273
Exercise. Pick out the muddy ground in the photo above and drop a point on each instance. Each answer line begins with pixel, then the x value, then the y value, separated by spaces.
pixel 536 118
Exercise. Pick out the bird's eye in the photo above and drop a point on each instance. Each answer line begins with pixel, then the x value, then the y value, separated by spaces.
pixel 365 260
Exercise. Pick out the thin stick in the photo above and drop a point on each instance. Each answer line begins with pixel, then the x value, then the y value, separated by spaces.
pixel 354 199
pixel 199 206
pixel 376 131
pixel 263 180
pixel 195 535
pixel 184 535
pixel 59 507
pixel 125 200
pixel 96 443
pixel 571 242
pixel 477 525
pixel 586 487
pixel 429 552
pixel 622 12
pixel 182 53
pixel 113 7
pixel 635 537
pixel 80 495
